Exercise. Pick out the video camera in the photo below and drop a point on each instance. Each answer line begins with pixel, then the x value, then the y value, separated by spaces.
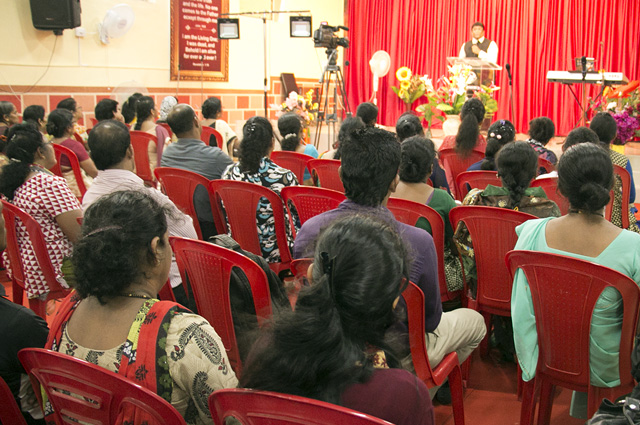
pixel 324 36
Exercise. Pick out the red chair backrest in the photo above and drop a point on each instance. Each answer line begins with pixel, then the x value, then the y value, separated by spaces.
pixel 166 127
pixel 10 413
pixel 206 134
pixel 97 395
pixel 13 215
pixel 493 233
pixel 208 267
pixel 476 180
pixel 550 187
pixel 179 185
pixel 325 173
pixel 293 161
pixel 564 291
pixel 621 175
pixel 140 142
pixel 309 201
pixel 78 138
pixel 545 165
pixel 409 212
pixel 252 407
pixel 94 122
pixel 455 164
pixel 61 151
pixel 240 201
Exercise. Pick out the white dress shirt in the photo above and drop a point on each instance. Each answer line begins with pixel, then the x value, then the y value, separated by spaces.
pixel 491 55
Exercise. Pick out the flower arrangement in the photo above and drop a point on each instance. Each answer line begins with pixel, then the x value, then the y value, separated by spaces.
pixel 451 92
pixel 301 105
pixel 411 87
pixel 485 94
pixel 624 105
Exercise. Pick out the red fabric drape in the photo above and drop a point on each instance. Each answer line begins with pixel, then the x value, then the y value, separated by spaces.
pixel 534 36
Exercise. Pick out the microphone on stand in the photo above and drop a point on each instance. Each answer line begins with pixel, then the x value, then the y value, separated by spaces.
pixel 508 68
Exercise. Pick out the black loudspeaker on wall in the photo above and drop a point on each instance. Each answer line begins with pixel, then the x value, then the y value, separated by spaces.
pixel 55 15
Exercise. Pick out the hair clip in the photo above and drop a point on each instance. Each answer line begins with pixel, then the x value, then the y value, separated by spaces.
pixel 3 138
pixel 499 136
pixel 328 266
pixel 492 134
pixel 102 229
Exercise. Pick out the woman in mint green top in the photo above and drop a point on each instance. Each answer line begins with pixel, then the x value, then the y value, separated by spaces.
pixel 585 177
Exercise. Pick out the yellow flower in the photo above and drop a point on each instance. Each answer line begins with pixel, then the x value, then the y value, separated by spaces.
pixel 403 74
pixel 405 84
pixel 402 93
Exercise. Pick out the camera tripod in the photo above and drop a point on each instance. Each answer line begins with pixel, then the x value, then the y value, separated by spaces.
pixel 331 70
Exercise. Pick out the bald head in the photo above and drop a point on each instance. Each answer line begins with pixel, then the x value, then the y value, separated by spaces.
pixel 109 141
pixel 183 122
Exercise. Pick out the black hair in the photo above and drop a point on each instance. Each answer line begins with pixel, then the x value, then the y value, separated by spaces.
pixel 58 122
pixel 585 177
pixel 257 137
pixel 6 108
pixel 108 143
pixel 517 166
pixel 542 129
pixel 581 135
pixel 471 116
pixel 320 348
pixel 477 24
pixel 408 125
pixel 23 141
pixel 69 104
pixel 115 249
pixel 180 119
pixel 144 106
pixel 605 126
pixel 500 133
pixel 211 108
pixel 33 113
pixel 348 126
pixel 290 126
pixel 368 112
pixel 129 107
pixel 370 162
pixel 106 109
pixel 417 159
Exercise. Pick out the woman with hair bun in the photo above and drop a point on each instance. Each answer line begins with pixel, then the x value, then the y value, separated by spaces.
pixel 585 178
pixel 256 167
pixel 541 130
pixel 290 128
pixel 211 112
pixel 500 133
pixel 332 347
pixel 114 319
pixel 28 184
pixel 146 115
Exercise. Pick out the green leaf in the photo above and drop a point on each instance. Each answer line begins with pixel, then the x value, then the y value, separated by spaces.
pixel 395 89
pixel 445 108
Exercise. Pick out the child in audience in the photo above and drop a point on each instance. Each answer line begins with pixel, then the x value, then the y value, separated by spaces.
pixel 368 113
pixel 290 128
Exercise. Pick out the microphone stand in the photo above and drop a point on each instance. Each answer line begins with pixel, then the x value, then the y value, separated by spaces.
pixel 511 95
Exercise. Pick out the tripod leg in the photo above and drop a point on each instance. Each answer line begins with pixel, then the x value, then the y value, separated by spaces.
pixel 343 93
pixel 322 113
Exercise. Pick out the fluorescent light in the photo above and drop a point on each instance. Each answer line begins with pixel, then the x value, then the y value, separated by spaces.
pixel 228 28
pixel 300 26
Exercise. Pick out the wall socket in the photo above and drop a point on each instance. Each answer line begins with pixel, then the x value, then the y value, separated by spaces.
pixel 80 32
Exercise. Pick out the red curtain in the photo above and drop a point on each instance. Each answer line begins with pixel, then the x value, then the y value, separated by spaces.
pixel 534 36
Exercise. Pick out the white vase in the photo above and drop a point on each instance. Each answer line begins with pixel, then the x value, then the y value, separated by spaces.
pixel 450 125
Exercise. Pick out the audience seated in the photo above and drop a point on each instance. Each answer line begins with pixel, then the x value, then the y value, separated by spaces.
pixel 35 115
pixel 211 111
pixel 72 106
pixel 27 183
pixel 114 320
pixel 417 158
pixel 500 133
pixel 370 163
pixel 112 152
pixel 585 177
pixel 189 153
pixel 290 128
pixel 368 113
pixel 541 130
pixel 146 115
pixel 468 137
pixel 409 125
pixel 256 167
pixel 348 126
pixel 8 116
pixel 108 109
pixel 332 346
pixel 60 125
pixel 165 107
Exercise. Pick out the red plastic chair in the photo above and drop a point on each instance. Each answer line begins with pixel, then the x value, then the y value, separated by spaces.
pixel 309 201
pixel 61 151
pixel 294 161
pixel 94 122
pixel 179 185
pixel 493 233
pixel 564 291
pixel 550 187
pixel 455 164
pixel 140 142
pixel 325 173
pixel 449 367
pixel 625 179
pixel 476 180
pixel 545 165
pixel 78 138
pixel 12 215
pixel 80 391
pixel 240 201
pixel 166 127
pixel 10 413
pixel 206 134
pixel 252 407
pixel 409 212
pixel 208 267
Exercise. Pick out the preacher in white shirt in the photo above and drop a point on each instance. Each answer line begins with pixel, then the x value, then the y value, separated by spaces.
pixel 479 46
